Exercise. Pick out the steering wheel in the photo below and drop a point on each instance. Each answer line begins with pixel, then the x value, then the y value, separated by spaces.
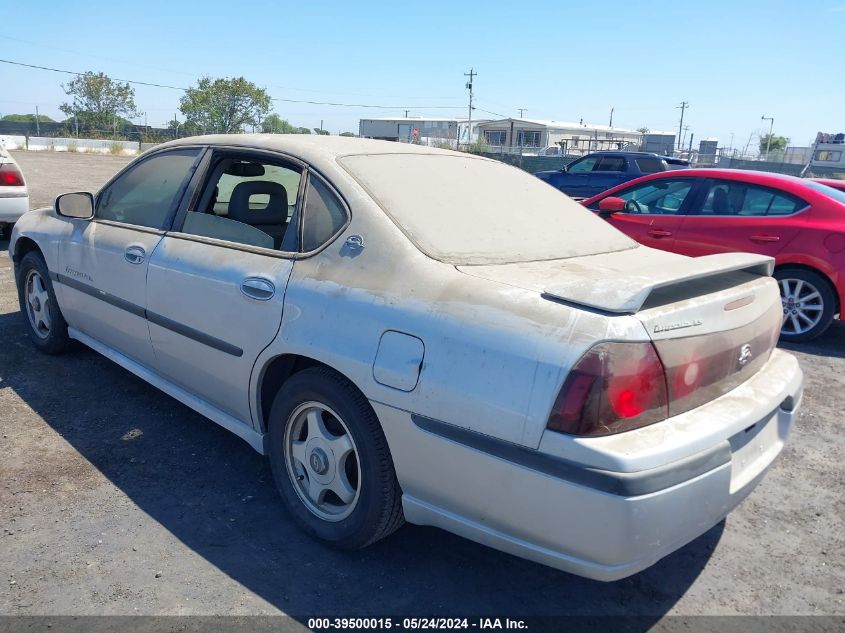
pixel 633 206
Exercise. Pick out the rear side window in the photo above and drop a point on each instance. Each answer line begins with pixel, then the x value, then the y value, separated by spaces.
pixel 323 215
pixel 649 165
pixel 611 163
pixel 741 199
pixel 146 193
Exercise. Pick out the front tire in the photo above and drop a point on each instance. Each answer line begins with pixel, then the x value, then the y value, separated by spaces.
pixel 808 302
pixel 47 328
pixel 331 461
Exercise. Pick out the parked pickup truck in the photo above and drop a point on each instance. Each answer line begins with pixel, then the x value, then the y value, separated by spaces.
pixel 600 171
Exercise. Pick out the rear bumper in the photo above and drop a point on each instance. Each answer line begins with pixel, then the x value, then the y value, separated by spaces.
pixel 12 205
pixel 594 529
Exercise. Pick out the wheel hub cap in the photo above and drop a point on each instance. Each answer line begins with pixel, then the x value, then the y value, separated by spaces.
pixel 319 462
pixel 803 306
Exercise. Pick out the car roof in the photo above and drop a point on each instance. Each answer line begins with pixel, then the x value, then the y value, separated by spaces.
pixel 764 178
pixel 309 147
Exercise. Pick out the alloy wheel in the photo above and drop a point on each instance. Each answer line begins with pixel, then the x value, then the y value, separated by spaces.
pixel 803 306
pixel 322 461
pixel 37 304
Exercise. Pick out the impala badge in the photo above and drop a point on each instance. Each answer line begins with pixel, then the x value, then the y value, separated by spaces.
pixel 744 355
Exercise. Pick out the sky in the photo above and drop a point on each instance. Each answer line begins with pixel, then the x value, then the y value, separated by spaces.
pixel 732 61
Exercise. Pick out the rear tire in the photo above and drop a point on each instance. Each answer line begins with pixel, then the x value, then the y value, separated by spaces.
pixel 331 461
pixel 808 301
pixel 46 326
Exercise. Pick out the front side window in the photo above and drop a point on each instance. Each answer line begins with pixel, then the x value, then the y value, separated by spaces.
pixel 659 197
pixel 741 199
pixel 146 194
pixel 323 215
pixel 248 201
pixel 584 165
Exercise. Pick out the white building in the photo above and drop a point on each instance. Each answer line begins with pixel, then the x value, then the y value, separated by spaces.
pixel 574 138
pixel 425 130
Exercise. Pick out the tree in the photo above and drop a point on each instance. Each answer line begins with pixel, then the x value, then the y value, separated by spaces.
pixel 224 105
pixel 643 130
pixel 321 131
pixel 98 102
pixel 274 124
pixel 348 134
pixel 26 118
pixel 777 144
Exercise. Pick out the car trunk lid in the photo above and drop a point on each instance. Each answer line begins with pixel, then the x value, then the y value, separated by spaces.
pixel 713 320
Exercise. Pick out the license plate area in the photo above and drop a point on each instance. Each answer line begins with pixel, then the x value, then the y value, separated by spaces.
pixel 752 450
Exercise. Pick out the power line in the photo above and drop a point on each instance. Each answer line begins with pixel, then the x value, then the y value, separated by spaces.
pixel 328 103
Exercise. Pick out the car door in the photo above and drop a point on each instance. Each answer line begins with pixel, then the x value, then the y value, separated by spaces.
pixel 574 181
pixel 608 172
pixel 734 216
pixel 217 282
pixel 653 210
pixel 103 263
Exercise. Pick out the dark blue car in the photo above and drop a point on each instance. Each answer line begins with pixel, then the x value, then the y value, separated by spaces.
pixel 594 173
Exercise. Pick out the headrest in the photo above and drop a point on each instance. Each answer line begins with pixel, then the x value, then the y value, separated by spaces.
pixel 276 211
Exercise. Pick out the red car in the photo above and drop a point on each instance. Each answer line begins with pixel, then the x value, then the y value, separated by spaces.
pixel 831 182
pixel 799 222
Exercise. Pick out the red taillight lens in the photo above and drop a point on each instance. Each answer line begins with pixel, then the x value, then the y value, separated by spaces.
pixel 615 387
pixel 10 176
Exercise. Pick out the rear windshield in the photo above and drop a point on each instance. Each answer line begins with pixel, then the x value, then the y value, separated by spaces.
pixel 836 194
pixel 467 210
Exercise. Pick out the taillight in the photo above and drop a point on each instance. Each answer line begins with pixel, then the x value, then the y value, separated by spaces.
pixel 10 176
pixel 614 387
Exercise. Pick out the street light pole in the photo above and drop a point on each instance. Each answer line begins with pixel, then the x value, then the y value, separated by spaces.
pixel 771 121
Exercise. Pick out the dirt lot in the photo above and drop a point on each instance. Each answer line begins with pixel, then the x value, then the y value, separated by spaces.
pixel 116 499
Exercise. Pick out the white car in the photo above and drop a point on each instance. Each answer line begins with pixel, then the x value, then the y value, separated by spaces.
pixel 418 334
pixel 14 198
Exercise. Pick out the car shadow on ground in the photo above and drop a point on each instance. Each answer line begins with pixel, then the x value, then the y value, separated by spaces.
pixel 830 344
pixel 217 496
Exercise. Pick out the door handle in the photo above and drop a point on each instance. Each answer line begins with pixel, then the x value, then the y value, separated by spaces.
pixel 659 233
pixel 258 288
pixel 765 238
pixel 135 254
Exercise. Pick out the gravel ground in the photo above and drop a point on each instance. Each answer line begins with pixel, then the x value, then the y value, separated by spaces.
pixel 116 499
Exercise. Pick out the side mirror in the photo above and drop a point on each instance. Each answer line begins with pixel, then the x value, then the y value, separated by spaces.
pixel 75 205
pixel 609 206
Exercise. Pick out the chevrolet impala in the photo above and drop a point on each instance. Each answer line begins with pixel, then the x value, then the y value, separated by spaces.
pixel 415 334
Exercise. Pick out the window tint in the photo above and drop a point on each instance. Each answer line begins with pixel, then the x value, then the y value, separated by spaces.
pixel 611 163
pixel 146 193
pixel 322 217
pixel 649 165
pixel 247 201
pixel 663 197
pixel 583 165
pixel 736 198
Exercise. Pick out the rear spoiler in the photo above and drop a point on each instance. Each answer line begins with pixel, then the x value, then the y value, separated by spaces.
pixel 626 293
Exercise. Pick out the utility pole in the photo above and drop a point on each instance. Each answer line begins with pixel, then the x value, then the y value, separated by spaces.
pixel 470 74
pixel 611 118
pixel 771 121
pixel 406 114
pixel 683 142
pixel 684 105
pixel 521 110
pixel 37 126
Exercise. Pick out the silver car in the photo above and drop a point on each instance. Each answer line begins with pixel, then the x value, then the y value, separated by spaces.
pixel 14 198
pixel 414 334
